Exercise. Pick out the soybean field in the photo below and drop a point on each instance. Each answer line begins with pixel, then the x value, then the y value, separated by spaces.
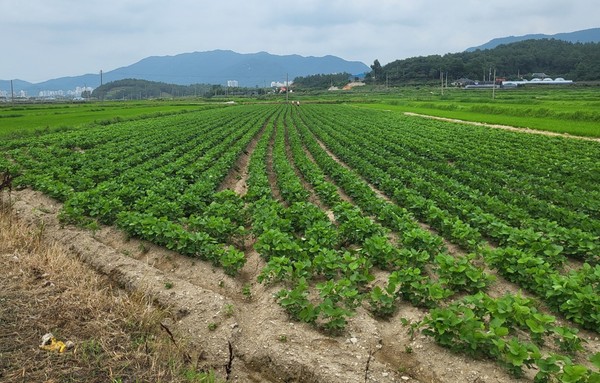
pixel 493 235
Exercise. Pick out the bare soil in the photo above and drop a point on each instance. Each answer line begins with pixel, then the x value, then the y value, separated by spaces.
pixel 236 179
pixel 341 193
pixel 270 171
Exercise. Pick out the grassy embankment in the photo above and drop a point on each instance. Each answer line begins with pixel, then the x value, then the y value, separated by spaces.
pixel 570 110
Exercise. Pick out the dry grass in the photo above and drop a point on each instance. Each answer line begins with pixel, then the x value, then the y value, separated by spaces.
pixel 118 335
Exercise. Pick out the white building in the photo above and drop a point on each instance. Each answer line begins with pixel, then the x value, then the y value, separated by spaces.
pixel 278 84
pixel 232 84
pixel 539 81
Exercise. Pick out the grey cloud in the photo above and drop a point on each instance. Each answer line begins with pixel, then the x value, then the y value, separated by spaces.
pixel 89 35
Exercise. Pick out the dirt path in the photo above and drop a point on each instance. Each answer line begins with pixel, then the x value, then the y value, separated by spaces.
pixel 505 127
pixel 341 193
pixel 313 197
pixel 271 170
pixel 237 178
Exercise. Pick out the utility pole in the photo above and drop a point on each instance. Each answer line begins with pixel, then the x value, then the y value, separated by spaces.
pixel 494 86
pixel 442 81
pixel 12 92
pixel 287 88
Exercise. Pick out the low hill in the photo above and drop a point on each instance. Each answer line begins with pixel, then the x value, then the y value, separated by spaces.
pixel 134 89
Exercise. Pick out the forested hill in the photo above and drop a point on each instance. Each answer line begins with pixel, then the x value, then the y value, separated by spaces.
pixel 591 35
pixel 134 89
pixel 556 58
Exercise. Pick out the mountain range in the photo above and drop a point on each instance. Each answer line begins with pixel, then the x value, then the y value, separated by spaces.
pixel 212 67
pixel 249 70
pixel 584 36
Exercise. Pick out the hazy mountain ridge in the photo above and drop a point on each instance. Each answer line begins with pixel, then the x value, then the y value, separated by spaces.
pixel 211 67
pixel 591 35
pixel 254 69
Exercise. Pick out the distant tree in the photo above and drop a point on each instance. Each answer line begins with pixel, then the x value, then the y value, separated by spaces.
pixel 377 71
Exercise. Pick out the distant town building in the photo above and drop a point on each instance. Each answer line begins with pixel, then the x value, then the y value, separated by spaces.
pixel 462 82
pixel 539 81
pixel 277 84
pixel 353 85
pixel 232 84
pixel 51 93
pixel 73 93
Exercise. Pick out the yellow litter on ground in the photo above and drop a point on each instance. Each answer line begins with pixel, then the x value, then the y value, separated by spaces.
pixel 50 343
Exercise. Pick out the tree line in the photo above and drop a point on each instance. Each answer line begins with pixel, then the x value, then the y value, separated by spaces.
pixel 556 58
pixel 322 81
pixel 136 89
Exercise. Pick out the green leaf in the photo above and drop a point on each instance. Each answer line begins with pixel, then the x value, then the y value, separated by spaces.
pixel 573 373
pixel 535 326
pixel 501 331
pixel 595 359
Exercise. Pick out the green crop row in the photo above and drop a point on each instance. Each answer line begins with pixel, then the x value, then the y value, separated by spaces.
pixel 156 179
pixel 481 326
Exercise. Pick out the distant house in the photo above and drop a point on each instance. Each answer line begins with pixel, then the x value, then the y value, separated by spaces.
pixel 353 84
pixel 540 75
pixel 462 82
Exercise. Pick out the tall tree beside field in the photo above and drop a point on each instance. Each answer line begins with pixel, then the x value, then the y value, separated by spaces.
pixel 377 71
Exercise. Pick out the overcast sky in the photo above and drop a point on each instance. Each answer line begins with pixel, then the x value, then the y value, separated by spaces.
pixel 45 39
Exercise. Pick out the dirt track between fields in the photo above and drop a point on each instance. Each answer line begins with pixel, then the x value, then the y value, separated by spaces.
pixel 505 127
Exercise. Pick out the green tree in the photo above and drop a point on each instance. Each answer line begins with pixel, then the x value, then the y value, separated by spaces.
pixel 377 71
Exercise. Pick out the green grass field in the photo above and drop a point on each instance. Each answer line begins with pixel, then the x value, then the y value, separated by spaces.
pixel 23 119
pixel 569 110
